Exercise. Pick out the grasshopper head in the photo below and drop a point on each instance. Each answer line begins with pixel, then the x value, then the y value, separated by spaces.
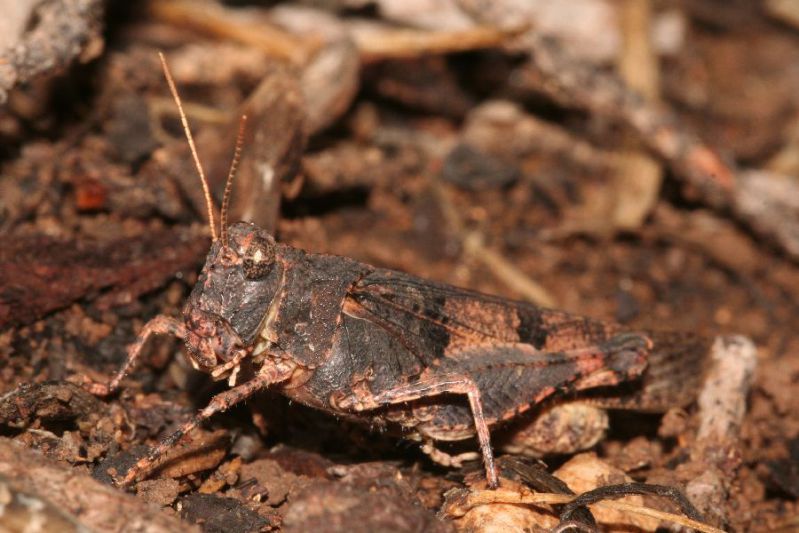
pixel 231 299
pixel 229 303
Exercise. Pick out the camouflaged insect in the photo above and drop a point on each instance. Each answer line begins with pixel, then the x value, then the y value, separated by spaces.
pixel 436 362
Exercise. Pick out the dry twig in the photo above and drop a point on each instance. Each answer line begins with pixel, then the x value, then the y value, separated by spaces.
pixel 212 19
pixel 722 406
pixel 379 42
pixel 637 175
pixel 469 499
pixel 765 202
pixel 500 267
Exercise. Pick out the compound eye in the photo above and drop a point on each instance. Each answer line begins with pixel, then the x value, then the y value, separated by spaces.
pixel 258 259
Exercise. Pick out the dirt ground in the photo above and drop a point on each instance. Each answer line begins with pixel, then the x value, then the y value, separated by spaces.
pixel 444 152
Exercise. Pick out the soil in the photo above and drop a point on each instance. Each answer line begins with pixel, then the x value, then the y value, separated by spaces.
pixel 103 227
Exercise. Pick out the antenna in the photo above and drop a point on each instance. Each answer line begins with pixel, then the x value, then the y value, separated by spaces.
pixel 229 183
pixel 208 202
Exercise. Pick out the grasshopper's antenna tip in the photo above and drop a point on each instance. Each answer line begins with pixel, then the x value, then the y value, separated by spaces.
pixel 206 189
pixel 229 183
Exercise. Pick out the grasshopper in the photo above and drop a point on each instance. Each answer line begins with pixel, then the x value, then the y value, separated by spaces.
pixel 384 347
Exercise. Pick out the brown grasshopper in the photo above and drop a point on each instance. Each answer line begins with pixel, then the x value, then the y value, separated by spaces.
pixel 384 347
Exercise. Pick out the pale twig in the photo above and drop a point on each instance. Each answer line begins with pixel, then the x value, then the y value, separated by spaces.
pixel 637 175
pixel 379 42
pixel 375 42
pixel 526 497
pixel 506 271
pixel 501 268
pixel 161 106
pixel 212 19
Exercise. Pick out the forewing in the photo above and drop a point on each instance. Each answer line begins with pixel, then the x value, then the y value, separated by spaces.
pixel 435 318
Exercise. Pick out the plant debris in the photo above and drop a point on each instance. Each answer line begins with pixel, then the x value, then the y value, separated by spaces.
pixel 632 161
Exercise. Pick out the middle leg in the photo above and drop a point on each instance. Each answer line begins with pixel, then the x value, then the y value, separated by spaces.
pixel 221 402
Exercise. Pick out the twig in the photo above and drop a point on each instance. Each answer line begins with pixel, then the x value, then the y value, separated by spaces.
pixel 160 106
pixel 212 19
pixel 625 489
pixel 501 268
pixel 765 202
pixel 637 175
pixel 378 42
pixel 722 406
pixel 572 83
pixel 722 403
pixel 375 42
pixel 525 497
pixel 505 270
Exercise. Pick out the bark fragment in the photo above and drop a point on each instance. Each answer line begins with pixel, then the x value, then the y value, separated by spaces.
pixel 82 499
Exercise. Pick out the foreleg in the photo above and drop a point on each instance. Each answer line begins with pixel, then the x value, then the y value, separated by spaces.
pixel 160 325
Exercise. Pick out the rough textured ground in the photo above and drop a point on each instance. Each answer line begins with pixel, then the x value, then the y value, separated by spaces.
pixel 103 227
